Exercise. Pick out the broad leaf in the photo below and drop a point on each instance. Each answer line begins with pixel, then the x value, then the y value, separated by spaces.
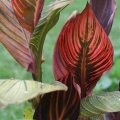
pixel 48 19
pixel 100 104
pixel 14 37
pixel 59 67
pixel 26 13
pixel 104 11
pixel 85 49
pixel 17 91
pixel 60 105
pixel 115 115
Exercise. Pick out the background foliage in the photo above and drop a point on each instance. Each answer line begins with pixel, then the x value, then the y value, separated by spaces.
pixel 9 68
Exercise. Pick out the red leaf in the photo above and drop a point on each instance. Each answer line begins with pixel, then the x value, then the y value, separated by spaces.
pixel 60 105
pixel 25 10
pixel 85 49
pixel 59 67
pixel 38 10
pixel 104 11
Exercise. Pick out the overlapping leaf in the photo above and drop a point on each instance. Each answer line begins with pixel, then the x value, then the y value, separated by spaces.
pixel 28 12
pixel 115 115
pixel 17 91
pixel 97 117
pixel 48 19
pixel 85 49
pixel 14 37
pixel 24 11
pixel 100 104
pixel 60 105
pixel 104 11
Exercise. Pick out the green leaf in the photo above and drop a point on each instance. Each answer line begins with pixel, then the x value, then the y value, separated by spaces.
pixel 28 113
pixel 18 91
pixel 100 104
pixel 48 19
pixel 97 117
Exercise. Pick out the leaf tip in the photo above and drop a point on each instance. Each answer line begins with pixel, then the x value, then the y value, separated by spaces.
pixel 73 15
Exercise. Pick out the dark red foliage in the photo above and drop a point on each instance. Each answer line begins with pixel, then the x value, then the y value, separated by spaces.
pixel 84 49
pixel 104 11
pixel 60 105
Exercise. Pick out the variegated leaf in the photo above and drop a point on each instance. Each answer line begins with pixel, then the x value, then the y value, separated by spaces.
pixel 113 115
pixel 100 104
pixel 18 91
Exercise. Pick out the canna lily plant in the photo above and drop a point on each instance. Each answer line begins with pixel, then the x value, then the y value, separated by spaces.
pixel 82 53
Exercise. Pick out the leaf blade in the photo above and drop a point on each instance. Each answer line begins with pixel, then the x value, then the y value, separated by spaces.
pixel 18 91
pixel 14 38
pixel 48 19
pixel 85 48
pixel 60 105
pixel 104 11
pixel 100 104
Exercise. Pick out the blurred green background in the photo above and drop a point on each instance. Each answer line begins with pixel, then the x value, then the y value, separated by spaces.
pixel 9 68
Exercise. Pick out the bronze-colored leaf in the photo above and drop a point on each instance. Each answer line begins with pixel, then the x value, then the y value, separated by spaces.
pixel 14 37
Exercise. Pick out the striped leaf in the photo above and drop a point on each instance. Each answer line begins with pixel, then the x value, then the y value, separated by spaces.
pixel 14 37
pixel 113 115
pixel 60 105
pixel 18 91
pixel 100 104
pixel 85 49
pixel 28 12
pixel 104 11
pixel 48 19
pixel 98 117
pixel 24 11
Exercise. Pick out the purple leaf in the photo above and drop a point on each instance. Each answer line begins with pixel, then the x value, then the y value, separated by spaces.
pixel 104 11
